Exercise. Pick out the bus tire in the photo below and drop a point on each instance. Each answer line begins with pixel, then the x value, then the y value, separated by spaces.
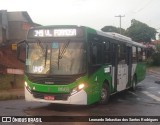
pixel 134 82
pixel 105 94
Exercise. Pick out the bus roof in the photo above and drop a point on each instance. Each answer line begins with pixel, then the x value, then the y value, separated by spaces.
pixel 119 37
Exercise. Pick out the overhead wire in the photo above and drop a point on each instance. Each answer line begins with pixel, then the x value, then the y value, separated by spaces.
pixel 143 7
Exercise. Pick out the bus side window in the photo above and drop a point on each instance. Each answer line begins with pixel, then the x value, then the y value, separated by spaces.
pixel 134 54
pixel 143 55
pixel 140 53
pixel 122 54
pixel 96 53
pixel 107 52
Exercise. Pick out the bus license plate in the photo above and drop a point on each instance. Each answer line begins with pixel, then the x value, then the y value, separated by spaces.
pixel 46 97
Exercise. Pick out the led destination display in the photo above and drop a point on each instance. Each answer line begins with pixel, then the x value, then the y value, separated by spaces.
pixel 70 32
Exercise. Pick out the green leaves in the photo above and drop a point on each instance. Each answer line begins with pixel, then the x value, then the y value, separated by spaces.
pixel 113 29
pixel 138 31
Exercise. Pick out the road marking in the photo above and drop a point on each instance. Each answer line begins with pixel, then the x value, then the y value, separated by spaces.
pixel 152 87
pixel 133 93
pixel 151 95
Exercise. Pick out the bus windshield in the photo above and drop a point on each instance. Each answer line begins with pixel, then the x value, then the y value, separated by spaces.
pixel 56 58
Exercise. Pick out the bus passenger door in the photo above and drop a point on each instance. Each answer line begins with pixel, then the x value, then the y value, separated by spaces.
pixel 129 62
pixel 122 73
pixel 114 61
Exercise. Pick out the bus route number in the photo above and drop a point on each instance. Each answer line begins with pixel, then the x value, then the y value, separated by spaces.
pixel 42 33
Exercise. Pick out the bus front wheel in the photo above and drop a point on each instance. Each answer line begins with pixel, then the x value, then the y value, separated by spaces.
pixel 105 94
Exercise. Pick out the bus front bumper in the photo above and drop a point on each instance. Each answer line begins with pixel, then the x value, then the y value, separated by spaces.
pixel 80 98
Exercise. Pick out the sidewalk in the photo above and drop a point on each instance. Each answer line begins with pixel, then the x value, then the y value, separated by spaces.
pixel 12 94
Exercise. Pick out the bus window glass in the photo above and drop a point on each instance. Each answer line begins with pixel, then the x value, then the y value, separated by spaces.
pixel 121 53
pixel 58 57
pixel 96 51
pixel 107 53
pixel 143 55
pixel 134 55
pixel 140 53
pixel 71 61
pixel 36 62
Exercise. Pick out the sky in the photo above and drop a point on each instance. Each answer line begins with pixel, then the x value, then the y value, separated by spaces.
pixel 93 13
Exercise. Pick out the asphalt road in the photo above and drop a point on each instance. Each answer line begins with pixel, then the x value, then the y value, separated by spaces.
pixel 145 101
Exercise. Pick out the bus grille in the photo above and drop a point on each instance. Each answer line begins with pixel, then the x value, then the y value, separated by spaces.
pixel 52 81
pixel 56 96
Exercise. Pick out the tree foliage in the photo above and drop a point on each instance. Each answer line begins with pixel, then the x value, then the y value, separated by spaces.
pixel 156 56
pixel 113 29
pixel 140 32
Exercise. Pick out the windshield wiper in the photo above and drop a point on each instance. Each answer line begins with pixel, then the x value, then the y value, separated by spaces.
pixel 62 51
pixel 46 53
pixel 44 50
pixel 40 45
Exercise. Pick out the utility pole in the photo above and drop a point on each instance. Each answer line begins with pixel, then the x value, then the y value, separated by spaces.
pixel 120 16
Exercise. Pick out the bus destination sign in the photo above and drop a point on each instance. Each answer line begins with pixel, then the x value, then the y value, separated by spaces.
pixel 54 33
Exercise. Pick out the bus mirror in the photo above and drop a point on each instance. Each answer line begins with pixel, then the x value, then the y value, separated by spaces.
pixel 21 51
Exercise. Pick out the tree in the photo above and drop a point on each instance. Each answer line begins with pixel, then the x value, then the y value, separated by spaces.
pixel 156 55
pixel 112 29
pixel 140 32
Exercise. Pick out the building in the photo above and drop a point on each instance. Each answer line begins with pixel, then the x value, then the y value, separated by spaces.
pixel 13 28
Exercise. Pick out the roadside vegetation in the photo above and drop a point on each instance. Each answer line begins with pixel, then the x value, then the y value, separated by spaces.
pixel 156 56
pixel 8 90
pixel 154 59
pixel 7 80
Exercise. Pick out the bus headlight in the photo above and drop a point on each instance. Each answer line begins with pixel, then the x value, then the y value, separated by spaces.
pixel 81 86
pixel 26 84
pixel 78 88
pixel 27 87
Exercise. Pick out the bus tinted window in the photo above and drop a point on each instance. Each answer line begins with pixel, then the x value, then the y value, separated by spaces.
pixel 107 52
pixel 121 53
pixel 96 51
pixel 140 53
pixel 143 55
pixel 134 54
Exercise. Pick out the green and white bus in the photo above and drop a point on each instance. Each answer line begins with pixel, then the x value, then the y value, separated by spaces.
pixel 78 65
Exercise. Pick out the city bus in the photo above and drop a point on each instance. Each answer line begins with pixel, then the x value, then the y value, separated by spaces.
pixel 69 64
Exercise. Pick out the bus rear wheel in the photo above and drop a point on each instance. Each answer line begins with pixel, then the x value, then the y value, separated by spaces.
pixel 105 94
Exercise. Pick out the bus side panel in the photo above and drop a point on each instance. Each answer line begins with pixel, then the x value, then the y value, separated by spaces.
pixel 140 71
pixel 96 81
